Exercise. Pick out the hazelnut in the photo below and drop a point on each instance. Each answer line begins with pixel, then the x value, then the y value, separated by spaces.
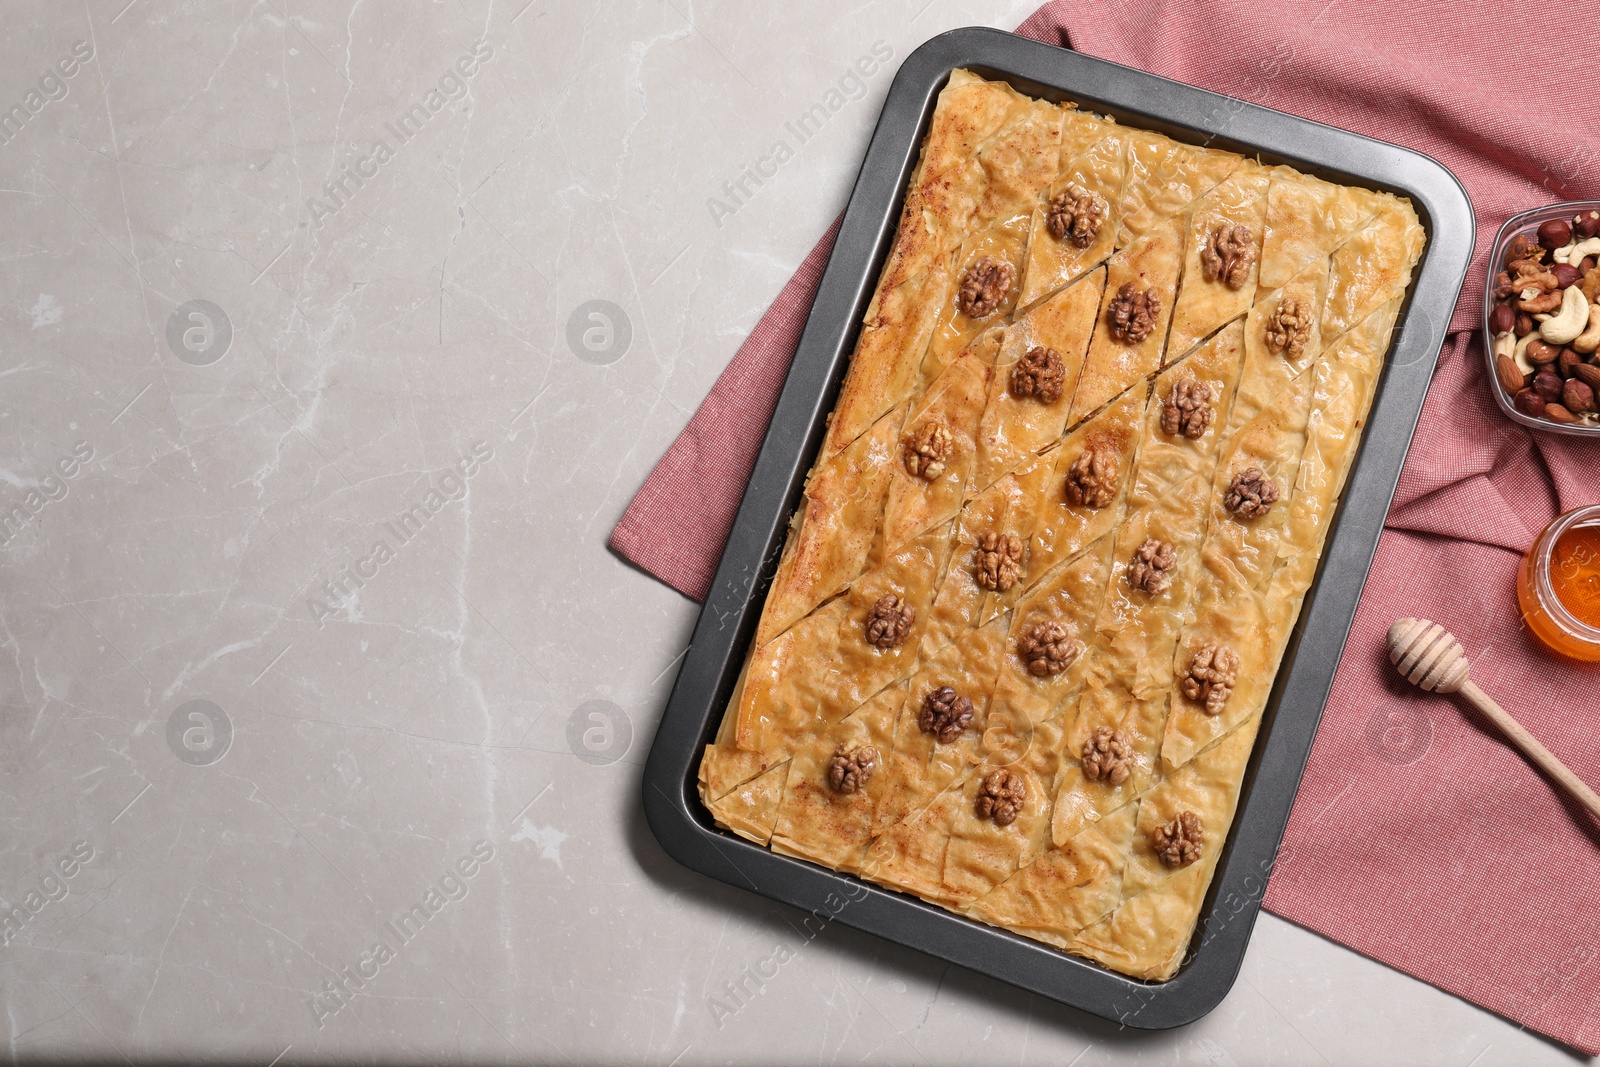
pixel 1565 274
pixel 1555 233
pixel 1521 247
pixel 1510 376
pixel 1542 352
pixel 1503 318
pixel 1576 397
pixel 1524 323
pixel 1557 413
pixel 1567 362
pixel 1587 224
pixel 1529 403
pixel 1547 383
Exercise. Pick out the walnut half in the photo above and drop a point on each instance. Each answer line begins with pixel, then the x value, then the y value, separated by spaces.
pixel 945 714
pixel 1289 328
pixel 1041 374
pixel 1178 842
pixel 984 287
pixel 1107 756
pixel 889 622
pixel 849 771
pixel 1152 566
pixel 1211 677
pixel 999 561
pixel 1075 215
pixel 1187 409
pixel 1001 797
pixel 1132 313
pixel 1228 255
pixel 1251 494
pixel 927 451
pixel 1092 479
pixel 1047 649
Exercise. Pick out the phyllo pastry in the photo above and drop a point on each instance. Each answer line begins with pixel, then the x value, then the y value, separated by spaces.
pixel 1019 642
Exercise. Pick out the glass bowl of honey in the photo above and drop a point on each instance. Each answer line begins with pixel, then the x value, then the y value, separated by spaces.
pixel 1558 586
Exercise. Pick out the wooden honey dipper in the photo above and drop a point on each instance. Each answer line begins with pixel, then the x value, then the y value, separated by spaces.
pixel 1430 656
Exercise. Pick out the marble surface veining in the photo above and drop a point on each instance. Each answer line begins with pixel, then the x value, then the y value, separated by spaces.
pixel 336 336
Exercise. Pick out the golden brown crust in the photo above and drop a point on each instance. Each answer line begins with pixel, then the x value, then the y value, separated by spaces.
pixel 1015 428
pixel 1053 262
pixel 1204 304
pixel 948 762
pixel 1163 178
pixel 837 528
pixel 1149 265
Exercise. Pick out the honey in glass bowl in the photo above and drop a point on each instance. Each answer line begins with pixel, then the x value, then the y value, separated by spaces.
pixel 1558 586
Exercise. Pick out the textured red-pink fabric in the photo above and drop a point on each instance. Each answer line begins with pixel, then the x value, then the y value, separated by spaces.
pixel 679 520
pixel 1418 837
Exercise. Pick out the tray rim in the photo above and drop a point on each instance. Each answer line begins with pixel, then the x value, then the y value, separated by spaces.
pixel 725 626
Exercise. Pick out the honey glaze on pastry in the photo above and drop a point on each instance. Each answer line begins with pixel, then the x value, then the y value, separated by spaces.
pixel 1072 496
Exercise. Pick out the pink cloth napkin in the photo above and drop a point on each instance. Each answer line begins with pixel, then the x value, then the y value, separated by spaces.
pixel 1418 837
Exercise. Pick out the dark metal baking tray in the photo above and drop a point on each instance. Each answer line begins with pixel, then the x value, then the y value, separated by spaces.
pixel 727 621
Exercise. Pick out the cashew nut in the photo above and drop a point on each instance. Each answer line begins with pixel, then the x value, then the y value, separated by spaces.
pixel 1577 252
pixel 1589 340
pixel 1520 353
pixel 1560 254
pixel 1505 344
pixel 1570 320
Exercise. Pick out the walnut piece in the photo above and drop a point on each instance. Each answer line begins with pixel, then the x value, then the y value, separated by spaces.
pixel 1047 649
pixel 889 622
pixel 1075 215
pixel 1211 677
pixel 1001 796
pixel 945 714
pixel 927 451
pixel 984 287
pixel 1289 328
pixel 999 561
pixel 1040 373
pixel 1092 479
pixel 1178 842
pixel 1530 272
pixel 1251 494
pixel 1187 409
pixel 1535 286
pixel 1527 279
pixel 1107 756
pixel 1132 313
pixel 1152 566
pixel 1228 254
pixel 849 771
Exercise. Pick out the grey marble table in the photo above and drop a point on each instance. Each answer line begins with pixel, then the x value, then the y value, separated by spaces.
pixel 324 704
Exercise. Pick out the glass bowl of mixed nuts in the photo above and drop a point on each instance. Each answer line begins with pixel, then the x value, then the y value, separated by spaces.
pixel 1541 319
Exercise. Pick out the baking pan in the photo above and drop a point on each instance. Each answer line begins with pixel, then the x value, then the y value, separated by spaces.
pixel 728 620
